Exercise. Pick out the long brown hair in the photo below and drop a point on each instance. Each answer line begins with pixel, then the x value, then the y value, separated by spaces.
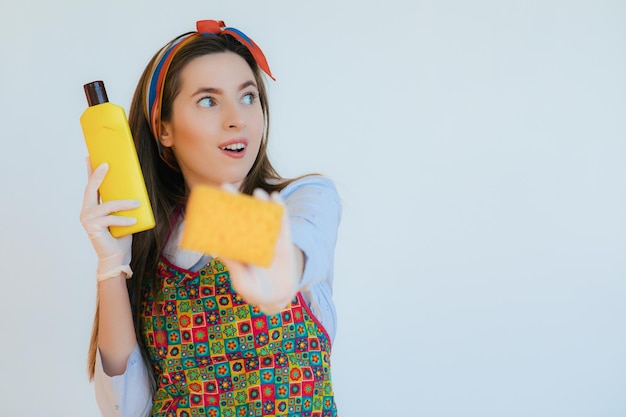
pixel 166 186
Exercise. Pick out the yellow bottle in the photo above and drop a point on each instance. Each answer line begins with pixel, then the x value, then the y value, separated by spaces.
pixel 108 139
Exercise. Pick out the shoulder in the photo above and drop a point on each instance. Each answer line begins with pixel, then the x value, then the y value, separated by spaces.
pixel 313 186
pixel 314 198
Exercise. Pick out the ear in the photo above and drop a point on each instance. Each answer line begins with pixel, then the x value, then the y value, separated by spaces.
pixel 166 135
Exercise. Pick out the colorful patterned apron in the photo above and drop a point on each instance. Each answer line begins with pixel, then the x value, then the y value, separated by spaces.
pixel 215 355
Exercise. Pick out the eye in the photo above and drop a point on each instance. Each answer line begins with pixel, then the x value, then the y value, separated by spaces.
pixel 249 98
pixel 206 102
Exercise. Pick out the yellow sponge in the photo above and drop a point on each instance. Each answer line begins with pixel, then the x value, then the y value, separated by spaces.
pixel 235 226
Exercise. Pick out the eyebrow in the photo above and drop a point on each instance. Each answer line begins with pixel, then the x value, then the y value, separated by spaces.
pixel 211 90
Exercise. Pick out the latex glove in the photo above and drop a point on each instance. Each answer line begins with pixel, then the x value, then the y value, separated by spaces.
pixel 114 254
pixel 270 289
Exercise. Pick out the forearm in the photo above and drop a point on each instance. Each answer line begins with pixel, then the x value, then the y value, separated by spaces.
pixel 116 333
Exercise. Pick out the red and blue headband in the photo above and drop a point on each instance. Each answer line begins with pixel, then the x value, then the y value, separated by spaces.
pixel 154 88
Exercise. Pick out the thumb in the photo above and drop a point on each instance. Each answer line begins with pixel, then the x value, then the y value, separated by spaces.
pixel 235 268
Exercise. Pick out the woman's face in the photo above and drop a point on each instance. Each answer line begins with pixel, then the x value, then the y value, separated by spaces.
pixel 217 121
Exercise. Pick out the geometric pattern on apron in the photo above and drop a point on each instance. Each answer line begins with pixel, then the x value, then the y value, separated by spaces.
pixel 216 355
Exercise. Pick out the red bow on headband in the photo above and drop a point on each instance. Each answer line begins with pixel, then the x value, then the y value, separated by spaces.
pixel 217 27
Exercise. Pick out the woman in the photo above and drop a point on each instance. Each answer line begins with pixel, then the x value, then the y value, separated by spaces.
pixel 179 333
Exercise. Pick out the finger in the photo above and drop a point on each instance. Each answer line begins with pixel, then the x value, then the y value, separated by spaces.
pixel 277 198
pixel 90 198
pixel 117 205
pixel 261 194
pixel 106 209
pixel 88 165
pixel 112 220
pixel 97 226
pixel 237 272
pixel 230 188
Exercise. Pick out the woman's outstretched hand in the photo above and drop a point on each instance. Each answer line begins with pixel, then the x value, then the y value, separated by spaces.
pixel 270 289
pixel 114 254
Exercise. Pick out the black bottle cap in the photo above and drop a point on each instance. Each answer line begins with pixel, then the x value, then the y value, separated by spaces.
pixel 96 93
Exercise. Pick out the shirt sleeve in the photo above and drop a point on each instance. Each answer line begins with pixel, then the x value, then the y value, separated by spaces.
pixel 126 395
pixel 314 211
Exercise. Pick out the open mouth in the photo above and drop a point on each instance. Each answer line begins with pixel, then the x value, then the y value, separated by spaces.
pixel 234 147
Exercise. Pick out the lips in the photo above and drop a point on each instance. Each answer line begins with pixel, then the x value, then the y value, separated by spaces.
pixel 234 148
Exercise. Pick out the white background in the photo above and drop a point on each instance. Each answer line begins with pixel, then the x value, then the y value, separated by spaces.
pixel 479 148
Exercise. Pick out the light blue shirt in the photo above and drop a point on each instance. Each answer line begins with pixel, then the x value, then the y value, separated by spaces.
pixel 314 211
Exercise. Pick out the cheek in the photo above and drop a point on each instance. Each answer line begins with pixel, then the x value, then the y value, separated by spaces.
pixel 258 130
pixel 259 124
pixel 194 132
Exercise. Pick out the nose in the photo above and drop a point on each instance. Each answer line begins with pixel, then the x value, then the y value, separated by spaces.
pixel 233 117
